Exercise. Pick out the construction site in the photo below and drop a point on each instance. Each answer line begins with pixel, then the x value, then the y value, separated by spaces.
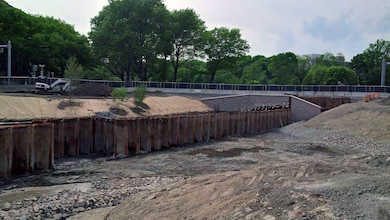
pixel 183 157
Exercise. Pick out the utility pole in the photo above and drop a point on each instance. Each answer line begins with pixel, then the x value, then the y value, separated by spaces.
pixel 8 46
pixel 383 76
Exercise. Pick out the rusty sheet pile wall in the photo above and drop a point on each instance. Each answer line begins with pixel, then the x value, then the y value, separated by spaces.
pixel 26 148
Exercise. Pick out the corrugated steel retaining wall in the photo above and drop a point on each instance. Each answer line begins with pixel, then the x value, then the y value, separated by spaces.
pixel 29 147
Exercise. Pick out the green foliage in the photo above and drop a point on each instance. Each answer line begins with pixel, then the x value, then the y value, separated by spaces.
pixel 225 76
pixel 328 59
pixel 253 82
pixel 41 40
pixel 99 73
pixel 221 47
pixel 139 95
pixel 131 35
pixel 142 40
pixel 368 65
pixel 73 70
pixel 339 74
pixel 317 75
pixel 119 94
pixel 283 69
pixel 304 65
pixel 333 75
pixel 187 28
pixel 256 71
pixel 192 71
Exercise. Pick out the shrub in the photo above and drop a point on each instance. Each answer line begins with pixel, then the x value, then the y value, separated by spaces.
pixel 139 95
pixel 119 94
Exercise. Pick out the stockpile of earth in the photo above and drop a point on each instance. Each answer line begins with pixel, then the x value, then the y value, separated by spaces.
pixel 92 89
pixel 370 120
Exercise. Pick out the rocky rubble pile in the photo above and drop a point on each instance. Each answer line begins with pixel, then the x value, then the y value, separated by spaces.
pixel 64 203
pixel 336 139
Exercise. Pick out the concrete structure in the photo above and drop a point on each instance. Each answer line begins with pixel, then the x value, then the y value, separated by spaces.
pixel 300 108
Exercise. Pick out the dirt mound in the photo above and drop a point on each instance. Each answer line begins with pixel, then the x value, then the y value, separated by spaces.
pixel 92 89
pixel 386 101
pixel 24 108
pixel 364 119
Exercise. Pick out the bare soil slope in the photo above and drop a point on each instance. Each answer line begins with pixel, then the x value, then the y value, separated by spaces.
pixel 23 108
pixel 367 119
pixel 313 175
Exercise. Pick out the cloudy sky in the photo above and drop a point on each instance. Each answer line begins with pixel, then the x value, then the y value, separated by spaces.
pixel 269 26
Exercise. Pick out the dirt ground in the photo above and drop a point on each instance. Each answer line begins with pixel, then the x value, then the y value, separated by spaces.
pixel 18 107
pixel 335 166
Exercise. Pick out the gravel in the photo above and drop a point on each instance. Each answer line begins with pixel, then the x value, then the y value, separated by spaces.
pixel 339 140
pixel 64 203
pixel 111 191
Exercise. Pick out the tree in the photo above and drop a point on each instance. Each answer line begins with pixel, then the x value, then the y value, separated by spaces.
pixel 41 40
pixel 226 76
pixel 139 95
pixel 317 75
pixel 192 71
pixel 187 28
pixel 119 94
pixel 99 72
pixel 368 65
pixel 328 59
pixel 339 74
pixel 256 71
pixel 221 47
pixel 129 35
pixel 73 70
pixel 304 65
pixel 333 75
pixel 283 68
pixel 361 69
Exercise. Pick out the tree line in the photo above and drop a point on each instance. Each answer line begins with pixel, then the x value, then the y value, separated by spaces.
pixel 143 40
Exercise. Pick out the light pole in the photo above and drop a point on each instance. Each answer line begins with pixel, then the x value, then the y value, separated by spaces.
pixel 383 76
pixel 8 46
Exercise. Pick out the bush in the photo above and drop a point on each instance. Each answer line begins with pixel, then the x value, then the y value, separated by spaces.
pixel 139 95
pixel 119 94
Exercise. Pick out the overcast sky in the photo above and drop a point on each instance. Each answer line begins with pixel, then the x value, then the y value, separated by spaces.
pixel 269 26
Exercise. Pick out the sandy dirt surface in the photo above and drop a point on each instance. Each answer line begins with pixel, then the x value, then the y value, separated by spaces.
pixel 33 107
pixel 368 119
pixel 327 168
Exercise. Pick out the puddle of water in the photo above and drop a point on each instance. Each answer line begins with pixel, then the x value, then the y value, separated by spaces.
pixel 314 149
pixel 227 153
pixel 321 149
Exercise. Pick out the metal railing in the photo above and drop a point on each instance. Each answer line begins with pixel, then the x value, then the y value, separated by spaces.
pixel 211 86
